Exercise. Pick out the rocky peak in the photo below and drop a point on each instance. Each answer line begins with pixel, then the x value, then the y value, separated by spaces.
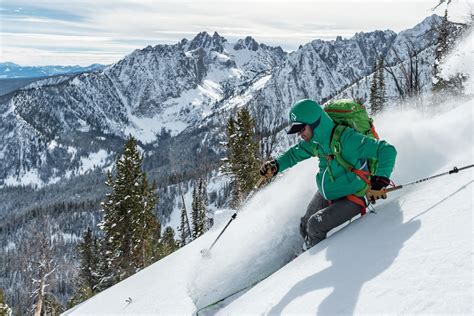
pixel 248 43
pixel 205 41
pixel 428 22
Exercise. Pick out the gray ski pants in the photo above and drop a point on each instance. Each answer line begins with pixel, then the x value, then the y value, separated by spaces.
pixel 322 216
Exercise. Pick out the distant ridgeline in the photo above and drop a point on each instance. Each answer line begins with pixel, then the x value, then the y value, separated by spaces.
pixel 14 77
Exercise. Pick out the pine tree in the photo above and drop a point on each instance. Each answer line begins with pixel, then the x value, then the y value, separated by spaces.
pixel 168 244
pixel 52 306
pixel 184 227
pixel 199 209
pixel 230 162
pixel 145 226
pixel 106 272
pixel 442 49
pixel 206 215
pixel 373 99
pixel 81 294
pixel 87 282
pixel 88 252
pixel 5 310
pixel 382 92
pixel 129 224
pixel 242 162
pixel 445 44
pixel 197 223
pixel 377 87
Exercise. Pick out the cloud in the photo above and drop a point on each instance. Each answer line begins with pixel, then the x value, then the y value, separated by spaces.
pixel 37 57
pixel 122 26
pixel 38 9
pixel 43 49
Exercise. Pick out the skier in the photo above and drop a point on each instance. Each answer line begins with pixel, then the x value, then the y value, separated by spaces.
pixel 341 193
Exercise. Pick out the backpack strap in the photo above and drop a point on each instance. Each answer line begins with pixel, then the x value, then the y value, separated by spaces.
pixel 357 200
pixel 372 129
pixel 336 148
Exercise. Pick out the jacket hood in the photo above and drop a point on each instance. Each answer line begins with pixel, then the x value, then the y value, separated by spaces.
pixel 322 132
pixel 309 112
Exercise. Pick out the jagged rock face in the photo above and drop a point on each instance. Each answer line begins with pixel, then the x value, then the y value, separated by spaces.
pixel 248 42
pixel 206 42
pixel 180 87
pixel 422 36
pixel 322 69
pixel 145 84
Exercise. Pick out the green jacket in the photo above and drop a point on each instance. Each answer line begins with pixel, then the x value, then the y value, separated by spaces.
pixel 333 180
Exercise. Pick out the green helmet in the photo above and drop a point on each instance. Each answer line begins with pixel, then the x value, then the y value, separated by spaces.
pixel 304 112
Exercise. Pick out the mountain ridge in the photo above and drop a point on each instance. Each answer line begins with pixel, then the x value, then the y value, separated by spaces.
pixel 9 70
pixel 177 86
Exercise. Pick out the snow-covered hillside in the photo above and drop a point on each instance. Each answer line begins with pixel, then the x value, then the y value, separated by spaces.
pixel 413 256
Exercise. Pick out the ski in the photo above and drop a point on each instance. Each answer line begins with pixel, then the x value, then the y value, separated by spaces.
pixel 296 255
pixel 230 295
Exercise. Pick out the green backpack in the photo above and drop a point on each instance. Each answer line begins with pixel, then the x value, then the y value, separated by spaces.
pixel 349 113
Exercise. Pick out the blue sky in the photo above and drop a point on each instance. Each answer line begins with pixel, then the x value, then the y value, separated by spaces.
pixel 104 31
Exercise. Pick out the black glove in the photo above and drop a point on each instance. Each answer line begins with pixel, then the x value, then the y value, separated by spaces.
pixel 379 182
pixel 269 169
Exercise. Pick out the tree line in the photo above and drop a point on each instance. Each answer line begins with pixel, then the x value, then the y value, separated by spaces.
pixel 131 237
pixel 408 83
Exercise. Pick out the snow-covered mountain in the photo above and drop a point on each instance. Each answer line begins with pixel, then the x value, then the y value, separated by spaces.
pixel 11 70
pixel 321 69
pixel 412 256
pixel 188 89
pixel 163 87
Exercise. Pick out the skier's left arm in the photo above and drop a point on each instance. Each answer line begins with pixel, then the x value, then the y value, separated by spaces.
pixel 367 147
pixel 301 151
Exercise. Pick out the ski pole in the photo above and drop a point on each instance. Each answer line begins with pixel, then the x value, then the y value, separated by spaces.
pixel 207 252
pixel 454 170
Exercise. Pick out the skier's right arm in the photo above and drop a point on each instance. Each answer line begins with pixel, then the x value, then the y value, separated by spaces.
pixel 301 151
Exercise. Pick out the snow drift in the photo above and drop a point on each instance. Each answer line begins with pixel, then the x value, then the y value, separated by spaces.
pixel 262 239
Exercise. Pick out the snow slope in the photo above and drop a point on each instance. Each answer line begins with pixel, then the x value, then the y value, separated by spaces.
pixel 413 256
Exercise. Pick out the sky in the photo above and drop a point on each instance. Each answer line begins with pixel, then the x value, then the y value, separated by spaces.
pixel 83 32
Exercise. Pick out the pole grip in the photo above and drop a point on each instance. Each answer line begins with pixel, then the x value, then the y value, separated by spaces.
pixel 395 188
